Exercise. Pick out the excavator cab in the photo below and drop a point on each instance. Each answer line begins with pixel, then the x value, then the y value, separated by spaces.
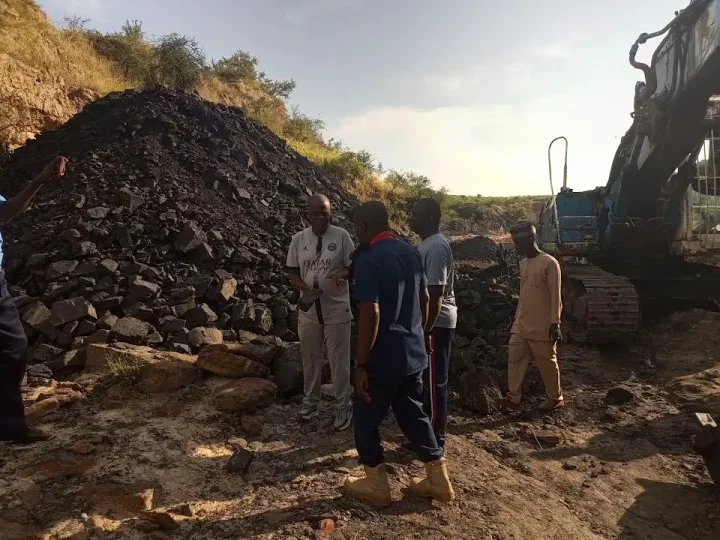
pixel 570 221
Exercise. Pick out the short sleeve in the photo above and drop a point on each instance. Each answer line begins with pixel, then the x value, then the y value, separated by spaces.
pixel 437 265
pixel 366 281
pixel 292 256
pixel 421 270
pixel 348 248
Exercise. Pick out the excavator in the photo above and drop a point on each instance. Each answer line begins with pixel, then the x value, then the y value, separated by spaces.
pixel 647 238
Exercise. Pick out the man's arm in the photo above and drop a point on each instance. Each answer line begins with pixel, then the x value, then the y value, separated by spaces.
pixel 437 271
pixel 554 290
pixel 424 305
pixel 293 266
pixel 21 201
pixel 296 280
pixel 343 274
pixel 368 325
pixel 436 293
pixel 368 296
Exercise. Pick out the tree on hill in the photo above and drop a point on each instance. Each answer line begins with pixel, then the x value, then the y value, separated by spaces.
pixel 180 62
pixel 238 66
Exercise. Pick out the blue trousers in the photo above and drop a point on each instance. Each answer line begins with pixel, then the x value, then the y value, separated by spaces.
pixel 405 396
pixel 436 381
pixel 13 348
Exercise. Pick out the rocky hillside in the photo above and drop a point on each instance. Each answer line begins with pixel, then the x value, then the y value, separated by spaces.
pixel 45 77
pixel 34 100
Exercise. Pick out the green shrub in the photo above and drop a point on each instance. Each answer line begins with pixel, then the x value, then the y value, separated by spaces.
pixel 128 49
pixel 180 62
pixel 268 112
pixel 301 127
pixel 278 89
pixel 346 168
pixel 240 66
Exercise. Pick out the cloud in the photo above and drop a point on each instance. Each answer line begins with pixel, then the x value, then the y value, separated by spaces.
pixel 454 82
pixel 441 143
pixel 303 10
pixel 502 78
pixel 489 149
pixel 557 50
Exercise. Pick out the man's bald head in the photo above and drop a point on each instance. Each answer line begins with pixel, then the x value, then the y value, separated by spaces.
pixel 319 213
pixel 318 200
pixel 371 218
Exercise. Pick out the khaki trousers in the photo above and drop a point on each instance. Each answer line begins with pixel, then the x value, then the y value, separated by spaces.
pixel 544 353
pixel 337 339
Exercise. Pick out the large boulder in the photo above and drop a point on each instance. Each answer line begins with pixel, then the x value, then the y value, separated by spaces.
pixel 264 353
pixel 200 337
pixel 230 365
pixel 132 330
pixel 245 395
pixel 75 309
pixel 479 390
pixel 288 370
pixel 168 372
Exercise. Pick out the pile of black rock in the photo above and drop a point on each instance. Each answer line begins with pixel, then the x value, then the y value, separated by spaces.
pixel 175 215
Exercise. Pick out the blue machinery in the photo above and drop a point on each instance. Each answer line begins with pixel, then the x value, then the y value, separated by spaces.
pixel 660 204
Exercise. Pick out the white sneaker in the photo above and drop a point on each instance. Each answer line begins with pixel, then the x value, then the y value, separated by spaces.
pixel 343 419
pixel 307 412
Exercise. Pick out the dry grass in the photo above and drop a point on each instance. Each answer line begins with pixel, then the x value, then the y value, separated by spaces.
pixel 28 36
pixel 237 94
pixel 127 370
pixel 315 152
pixel 367 187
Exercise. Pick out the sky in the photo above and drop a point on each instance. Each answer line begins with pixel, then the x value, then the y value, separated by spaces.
pixel 466 92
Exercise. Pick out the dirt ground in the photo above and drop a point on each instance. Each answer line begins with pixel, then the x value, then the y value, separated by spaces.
pixel 623 472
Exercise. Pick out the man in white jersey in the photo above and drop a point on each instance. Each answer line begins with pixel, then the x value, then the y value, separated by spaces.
pixel 318 262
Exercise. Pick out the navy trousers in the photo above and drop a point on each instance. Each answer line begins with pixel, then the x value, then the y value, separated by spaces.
pixel 13 348
pixel 405 396
pixel 435 379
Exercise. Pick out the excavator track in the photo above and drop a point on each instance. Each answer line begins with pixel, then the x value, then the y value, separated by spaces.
pixel 599 307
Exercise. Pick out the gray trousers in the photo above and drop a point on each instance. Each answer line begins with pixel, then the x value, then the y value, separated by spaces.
pixel 337 339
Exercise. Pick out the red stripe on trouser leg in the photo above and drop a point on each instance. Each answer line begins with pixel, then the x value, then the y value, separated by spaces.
pixel 433 391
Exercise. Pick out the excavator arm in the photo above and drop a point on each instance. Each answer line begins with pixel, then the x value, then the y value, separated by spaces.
pixel 656 155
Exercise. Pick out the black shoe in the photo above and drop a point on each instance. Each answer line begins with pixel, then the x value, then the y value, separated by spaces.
pixel 408 447
pixel 29 435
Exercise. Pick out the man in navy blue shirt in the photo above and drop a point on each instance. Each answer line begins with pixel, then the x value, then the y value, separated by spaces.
pixel 391 292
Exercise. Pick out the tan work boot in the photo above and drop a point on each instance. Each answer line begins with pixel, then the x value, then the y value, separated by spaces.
pixel 374 488
pixel 437 483
pixel 552 404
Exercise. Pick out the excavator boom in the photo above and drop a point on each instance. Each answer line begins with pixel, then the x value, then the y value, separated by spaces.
pixel 669 126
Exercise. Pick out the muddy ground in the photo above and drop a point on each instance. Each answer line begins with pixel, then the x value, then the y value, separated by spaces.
pixel 591 470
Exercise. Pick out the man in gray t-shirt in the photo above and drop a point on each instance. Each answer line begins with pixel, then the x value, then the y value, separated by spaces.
pixel 318 260
pixel 442 317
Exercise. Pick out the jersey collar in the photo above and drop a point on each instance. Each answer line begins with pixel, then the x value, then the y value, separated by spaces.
pixel 382 236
